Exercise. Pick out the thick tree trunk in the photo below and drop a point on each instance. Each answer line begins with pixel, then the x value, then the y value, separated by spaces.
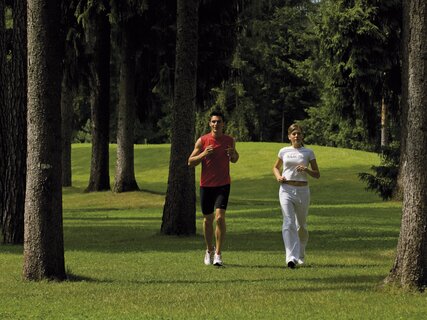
pixel 43 244
pixel 410 266
pixel 15 127
pixel 179 212
pixel 67 129
pixel 125 172
pixel 398 193
pixel 98 41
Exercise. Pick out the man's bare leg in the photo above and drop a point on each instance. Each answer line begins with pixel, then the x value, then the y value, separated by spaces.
pixel 220 229
pixel 208 231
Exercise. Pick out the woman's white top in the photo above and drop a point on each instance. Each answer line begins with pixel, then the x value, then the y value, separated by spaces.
pixel 293 157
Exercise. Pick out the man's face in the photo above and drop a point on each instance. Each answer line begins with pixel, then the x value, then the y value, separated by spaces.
pixel 217 124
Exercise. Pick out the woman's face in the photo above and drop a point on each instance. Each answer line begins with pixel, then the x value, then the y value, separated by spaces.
pixel 296 137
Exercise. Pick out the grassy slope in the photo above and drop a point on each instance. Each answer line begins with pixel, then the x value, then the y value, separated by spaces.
pixel 124 269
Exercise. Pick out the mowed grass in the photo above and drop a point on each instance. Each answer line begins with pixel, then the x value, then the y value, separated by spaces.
pixel 121 267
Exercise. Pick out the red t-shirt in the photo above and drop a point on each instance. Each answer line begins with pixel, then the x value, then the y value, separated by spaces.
pixel 216 167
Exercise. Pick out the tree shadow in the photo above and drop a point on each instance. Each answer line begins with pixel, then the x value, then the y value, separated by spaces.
pixel 11 248
pixel 305 284
pixel 112 239
pixel 71 277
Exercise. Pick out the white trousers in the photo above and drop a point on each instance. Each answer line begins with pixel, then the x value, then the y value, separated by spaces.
pixel 294 202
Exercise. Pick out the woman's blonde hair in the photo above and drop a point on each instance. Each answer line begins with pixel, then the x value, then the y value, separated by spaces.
pixel 293 127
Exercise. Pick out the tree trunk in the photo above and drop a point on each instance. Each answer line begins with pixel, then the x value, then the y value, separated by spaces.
pixel 98 42
pixel 3 113
pixel 43 240
pixel 398 193
pixel 125 172
pixel 14 121
pixel 410 266
pixel 179 212
pixel 67 129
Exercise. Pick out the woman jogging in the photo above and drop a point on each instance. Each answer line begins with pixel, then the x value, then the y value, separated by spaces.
pixel 291 170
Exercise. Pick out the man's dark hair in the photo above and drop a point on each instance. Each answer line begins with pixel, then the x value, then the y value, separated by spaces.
pixel 217 114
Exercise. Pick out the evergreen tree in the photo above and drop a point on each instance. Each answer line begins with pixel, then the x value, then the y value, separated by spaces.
pixel 275 45
pixel 359 59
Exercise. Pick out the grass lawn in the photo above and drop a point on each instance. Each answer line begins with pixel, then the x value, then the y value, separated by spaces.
pixel 121 267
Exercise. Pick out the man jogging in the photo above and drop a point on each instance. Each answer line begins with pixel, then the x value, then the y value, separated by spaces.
pixel 215 151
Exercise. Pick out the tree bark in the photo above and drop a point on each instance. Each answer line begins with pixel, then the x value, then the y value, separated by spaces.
pixel 43 240
pixel 125 172
pixel 98 42
pixel 410 266
pixel 14 125
pixel 179 212
pixel 398 193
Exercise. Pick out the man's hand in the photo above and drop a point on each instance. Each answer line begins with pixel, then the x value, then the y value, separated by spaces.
pixel 209 150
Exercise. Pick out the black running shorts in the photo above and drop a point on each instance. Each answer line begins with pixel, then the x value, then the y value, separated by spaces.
pixel 212 198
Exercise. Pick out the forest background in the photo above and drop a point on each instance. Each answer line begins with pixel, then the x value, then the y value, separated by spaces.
pixel 332 65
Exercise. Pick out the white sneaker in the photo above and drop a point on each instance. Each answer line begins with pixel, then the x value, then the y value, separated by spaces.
pixel 217 260
pixel 300 262
pixel 208 257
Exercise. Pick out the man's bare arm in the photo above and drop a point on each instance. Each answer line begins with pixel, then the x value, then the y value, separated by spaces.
pixel 197 155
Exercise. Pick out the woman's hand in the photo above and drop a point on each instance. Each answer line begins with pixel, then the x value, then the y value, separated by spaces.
pixel 281 179
pixel 301 168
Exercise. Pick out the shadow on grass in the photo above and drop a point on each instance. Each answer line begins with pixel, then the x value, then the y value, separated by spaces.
pixel 160 193
pixel 306 266
pixel 106 218
pixel 319 284
pixel 305 284
pixel 71 277
pixel 12 249
pixel 89 210
pixel 137 239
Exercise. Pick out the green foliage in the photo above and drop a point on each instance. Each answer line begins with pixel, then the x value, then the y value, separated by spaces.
pixel 81 120
pixel 8 18
pixel 322 127
pixel 275 47
pixel 84 9
pixel 384 179
pixel 84 135
pixel 359 46
pixel 259 61
pixel 8 24
pixel 238 109
pixel 124 10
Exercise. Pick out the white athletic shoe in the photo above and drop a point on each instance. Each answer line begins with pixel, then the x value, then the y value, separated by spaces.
pixel 208 257
pixel 300 262
pixel 217 260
